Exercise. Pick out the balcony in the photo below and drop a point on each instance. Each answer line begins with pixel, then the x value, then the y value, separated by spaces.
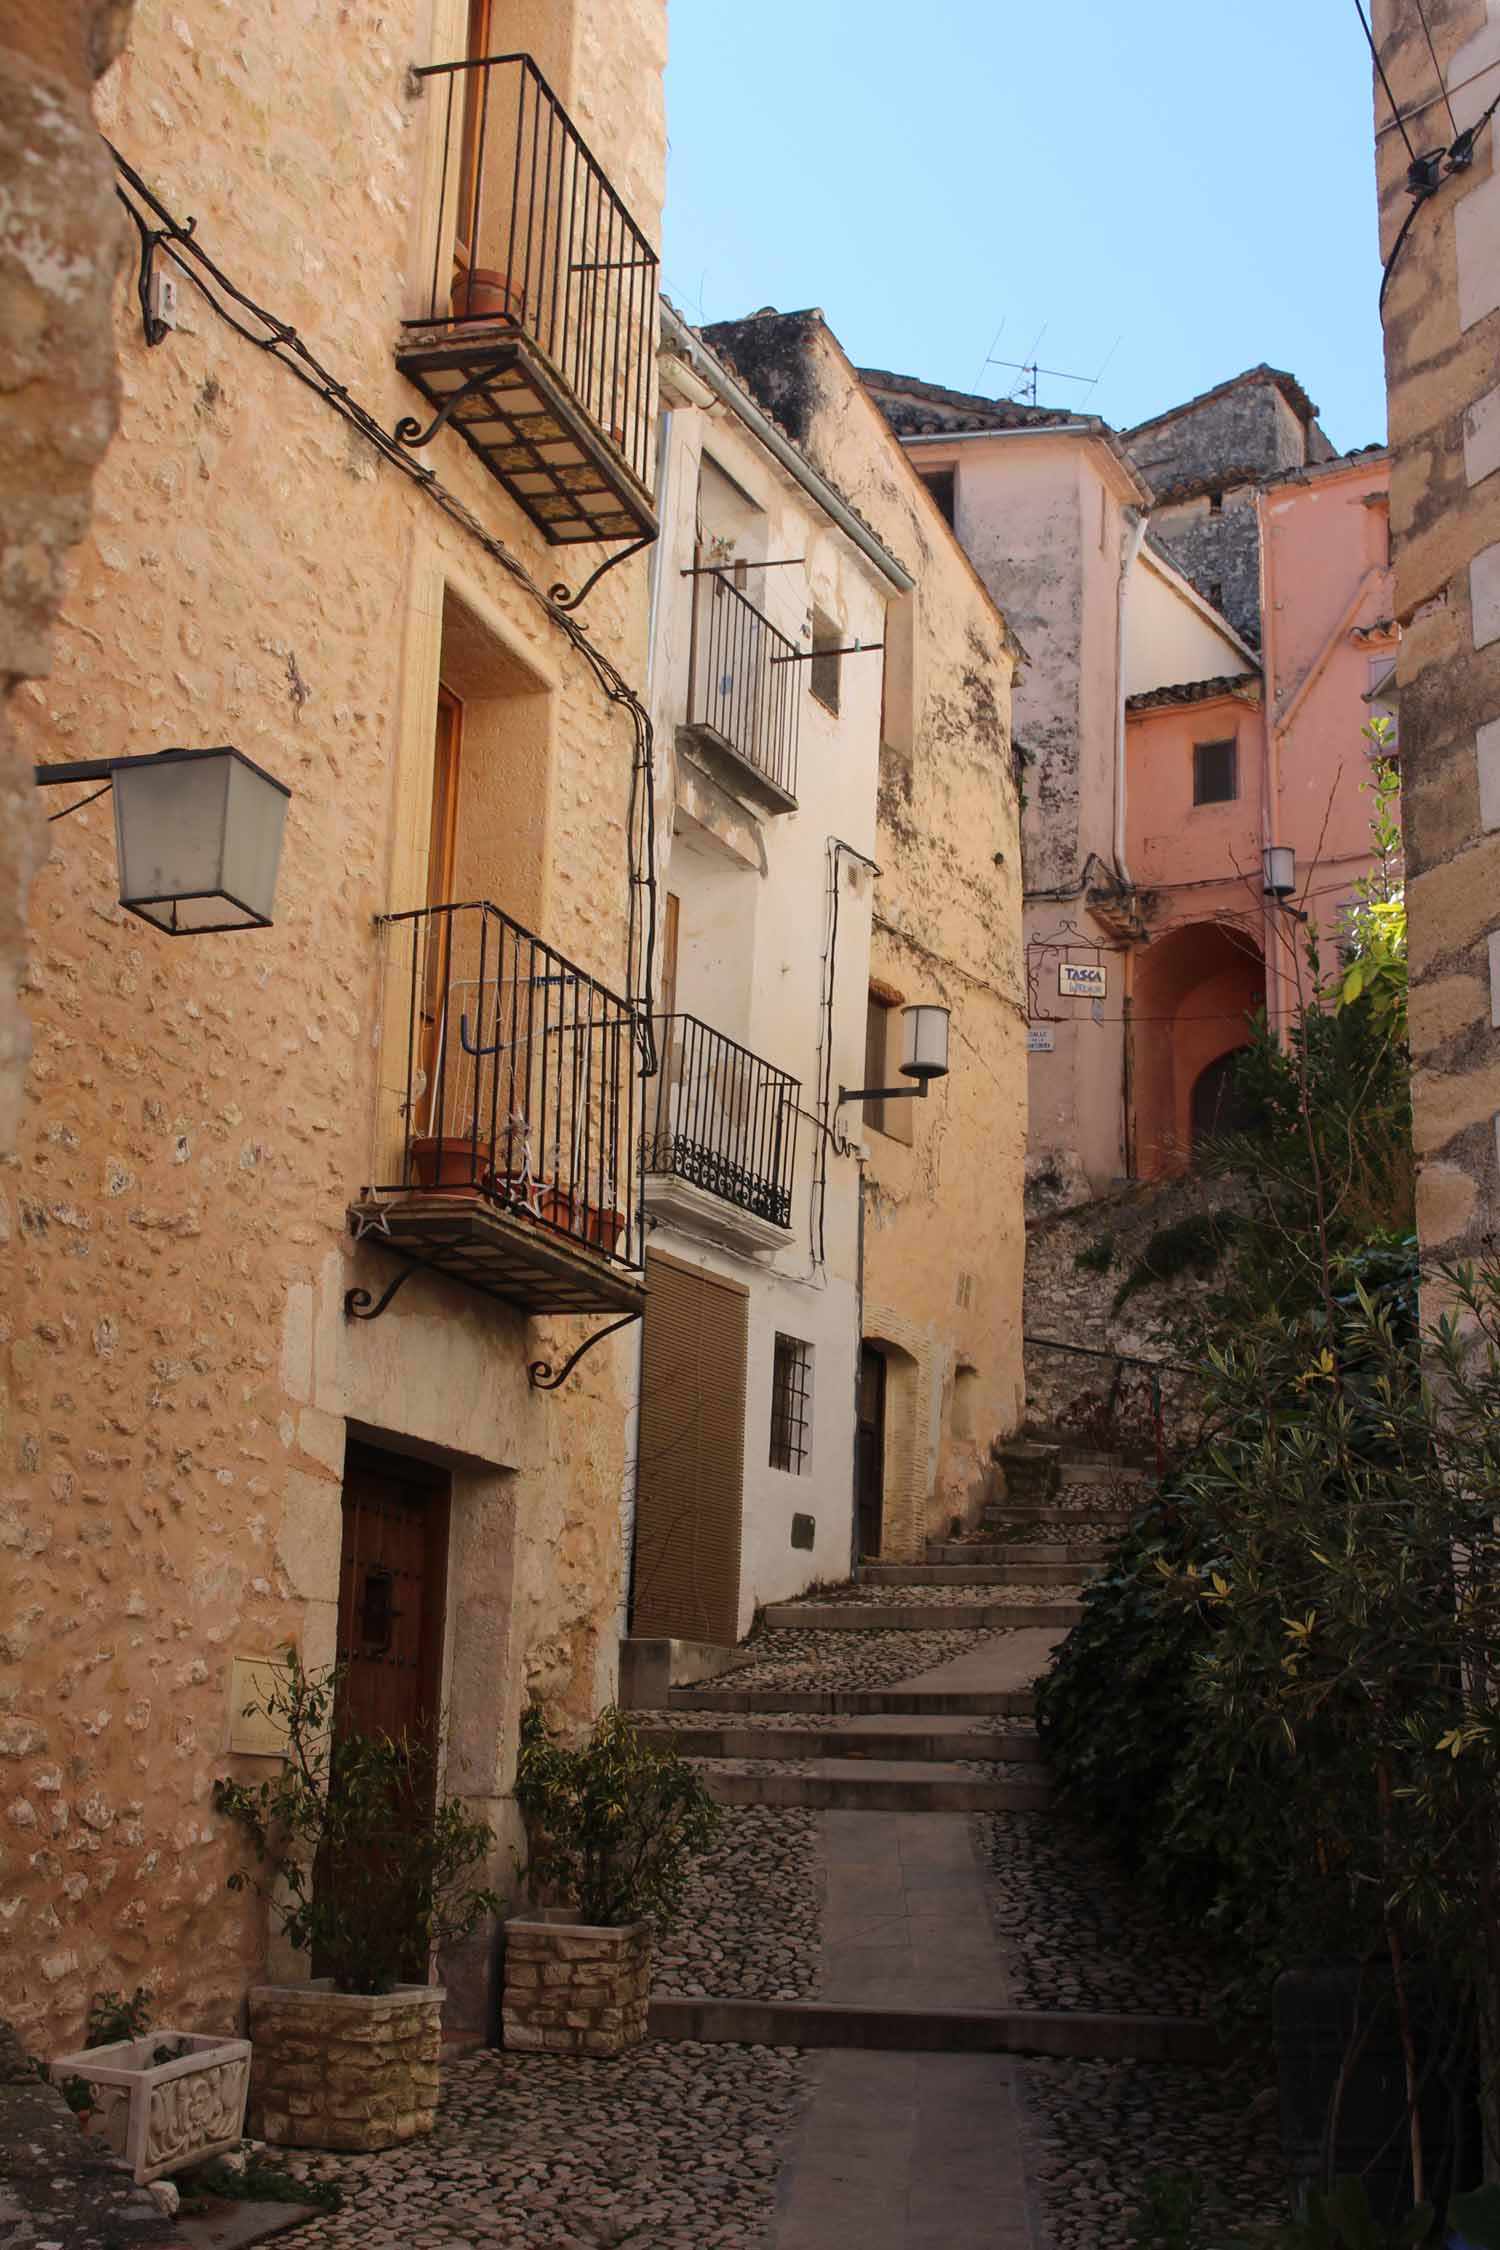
pixel 745 693
pixel 720 1137
pixel 510 1096
pixel 536 339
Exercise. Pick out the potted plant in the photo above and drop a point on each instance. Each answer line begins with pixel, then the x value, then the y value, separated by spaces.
pixel 160 2100
pixel 612 1828
pixel 369 1872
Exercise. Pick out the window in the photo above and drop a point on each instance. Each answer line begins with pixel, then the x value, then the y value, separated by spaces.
pixel 1216 503
pixel 827 641
pixel 882 1066
pixel 943 485
pixel 791 1405
pixel 1380 695
pixel 1216 779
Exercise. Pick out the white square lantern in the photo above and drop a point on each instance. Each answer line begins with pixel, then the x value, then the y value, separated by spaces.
pixel 198 834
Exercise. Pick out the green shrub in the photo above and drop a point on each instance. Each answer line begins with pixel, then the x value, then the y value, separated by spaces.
pixel 613 1827
pixel 1192 1245
pixel 363 1866
pixel 1096 1257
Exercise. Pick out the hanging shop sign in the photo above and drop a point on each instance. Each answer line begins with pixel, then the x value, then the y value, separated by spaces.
pixel 1081 980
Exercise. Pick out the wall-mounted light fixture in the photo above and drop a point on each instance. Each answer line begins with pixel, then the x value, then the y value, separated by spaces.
pixel 1279 863
pixel 924 1056
pixel 197 835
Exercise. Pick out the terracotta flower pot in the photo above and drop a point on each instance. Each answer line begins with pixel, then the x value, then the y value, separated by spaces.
pixel 452 1162
pixel 484 293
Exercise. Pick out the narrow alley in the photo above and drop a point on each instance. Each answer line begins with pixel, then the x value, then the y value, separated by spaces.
pixel 907 2001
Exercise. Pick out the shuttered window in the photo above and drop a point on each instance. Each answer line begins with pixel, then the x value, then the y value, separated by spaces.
pixel 690 1481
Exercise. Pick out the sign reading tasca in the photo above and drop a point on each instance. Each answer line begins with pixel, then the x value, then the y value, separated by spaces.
pixel 1081 980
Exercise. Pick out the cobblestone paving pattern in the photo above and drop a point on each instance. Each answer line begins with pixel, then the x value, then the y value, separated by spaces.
pixel 1096 2131
pixel 749 1917
pixel 935 1597
pixel 1073 1934
pixel 674 2147
pixel 815 1722
pixel 807 1656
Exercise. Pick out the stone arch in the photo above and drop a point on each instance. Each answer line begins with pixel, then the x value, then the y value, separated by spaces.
pixel 1194 989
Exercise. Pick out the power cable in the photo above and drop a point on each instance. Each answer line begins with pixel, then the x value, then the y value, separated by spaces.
pixel 79 803
pixel 1437 66
pixel 1385 82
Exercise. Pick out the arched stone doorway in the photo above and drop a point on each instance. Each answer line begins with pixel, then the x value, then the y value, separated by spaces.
pixel 1194 989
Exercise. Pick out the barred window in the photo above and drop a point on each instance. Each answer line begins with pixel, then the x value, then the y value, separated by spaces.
pixel 791 1405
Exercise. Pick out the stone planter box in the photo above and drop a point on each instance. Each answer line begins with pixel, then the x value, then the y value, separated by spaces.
pixel 344 2070
pixel 573 1988
pixel 162 2116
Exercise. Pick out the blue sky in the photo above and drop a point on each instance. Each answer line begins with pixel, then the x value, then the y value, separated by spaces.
pixel 1179 188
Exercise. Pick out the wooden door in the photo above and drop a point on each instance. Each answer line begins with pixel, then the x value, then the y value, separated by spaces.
pixel 393 1570
pixel 870 1443
pixel 690 1481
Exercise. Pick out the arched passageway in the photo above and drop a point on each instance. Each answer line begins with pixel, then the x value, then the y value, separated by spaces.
pixel 1194 989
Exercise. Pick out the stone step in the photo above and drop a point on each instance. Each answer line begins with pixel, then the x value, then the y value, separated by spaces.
pixel 936 1703
pixel 1069 2033
pixel 957 1568
pixel 923 1743
pixel 843 1785
pixel 984 1553
pixel 1006 1523
pixel 1098 1468
pixel 920 1617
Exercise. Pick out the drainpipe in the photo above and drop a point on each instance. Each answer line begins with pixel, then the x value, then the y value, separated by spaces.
pixel 1130 547
pixel 663 512
pixel 1270 769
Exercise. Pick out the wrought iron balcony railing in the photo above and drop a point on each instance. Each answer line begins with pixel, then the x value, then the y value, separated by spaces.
pixel 723 1120
pixel 536 339
pixel 746 689
pixel 518 1120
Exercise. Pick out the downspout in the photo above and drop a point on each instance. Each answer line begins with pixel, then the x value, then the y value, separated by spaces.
pixel 1130 547
pixel 1270 769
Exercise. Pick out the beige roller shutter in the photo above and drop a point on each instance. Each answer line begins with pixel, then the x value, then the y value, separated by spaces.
pixel 690 1483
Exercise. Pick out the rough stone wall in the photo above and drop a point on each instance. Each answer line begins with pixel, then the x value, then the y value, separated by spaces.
pixel 1442 339
pixel 576 1989
pixel 58 2185
pixel 943 1236
pixel 61 239
pixel 1073 1304
pixel 199 1112
pixel 1248 431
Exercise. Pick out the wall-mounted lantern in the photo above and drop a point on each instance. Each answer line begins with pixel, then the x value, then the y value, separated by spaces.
pixel 197 835
pixel 924 1056
pixel 1279 862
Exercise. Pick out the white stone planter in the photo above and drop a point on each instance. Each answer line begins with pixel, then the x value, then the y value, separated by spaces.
pixel 344 2070
pixel 575 1987
pixel 162 2116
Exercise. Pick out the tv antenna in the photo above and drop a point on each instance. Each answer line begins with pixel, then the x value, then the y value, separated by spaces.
pixel 1025 389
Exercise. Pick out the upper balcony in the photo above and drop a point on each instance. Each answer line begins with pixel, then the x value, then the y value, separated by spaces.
pixel 745 692
pixel 720 1136
pixel 536 339
pixel 511 1113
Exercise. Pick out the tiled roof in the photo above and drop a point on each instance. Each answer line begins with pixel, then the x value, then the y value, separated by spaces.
pixel 1242 684
pixel 1370 456
pixel 1208 480
pixel 1288 385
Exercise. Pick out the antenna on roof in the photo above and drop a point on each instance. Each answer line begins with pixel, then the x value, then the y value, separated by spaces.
pixel 1028 371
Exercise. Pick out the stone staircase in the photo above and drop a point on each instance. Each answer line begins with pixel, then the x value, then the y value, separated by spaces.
pixel 951 1738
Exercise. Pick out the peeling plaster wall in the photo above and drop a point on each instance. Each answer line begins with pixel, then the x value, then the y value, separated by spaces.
pixel 61 240
pixel 943 1217
pixel 1442 341
pixel 180 1375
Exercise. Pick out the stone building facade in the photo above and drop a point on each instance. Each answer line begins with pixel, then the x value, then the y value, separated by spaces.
pixel 207 1457
pixel 1442 341
pixel 941 1373
pixel 1203 461
pixel 60 246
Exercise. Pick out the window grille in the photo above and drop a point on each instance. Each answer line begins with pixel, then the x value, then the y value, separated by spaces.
pixel 791 1403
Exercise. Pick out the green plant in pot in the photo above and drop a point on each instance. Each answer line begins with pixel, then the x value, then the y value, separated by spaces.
pixel 613 1827
pixel 371 1872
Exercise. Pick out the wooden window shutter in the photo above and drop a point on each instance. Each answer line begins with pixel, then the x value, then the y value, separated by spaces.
pixel 690 1482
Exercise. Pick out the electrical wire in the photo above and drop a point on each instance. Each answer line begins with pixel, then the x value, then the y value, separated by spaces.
pixel 1437 66
pixel 177 240
pixel 1385 82
pixel 1390 264
pixel 79 803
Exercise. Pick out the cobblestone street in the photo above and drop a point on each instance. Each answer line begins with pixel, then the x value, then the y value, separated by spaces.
pixel 856 1939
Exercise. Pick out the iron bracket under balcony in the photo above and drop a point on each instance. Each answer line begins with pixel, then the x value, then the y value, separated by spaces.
pixel 536 342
